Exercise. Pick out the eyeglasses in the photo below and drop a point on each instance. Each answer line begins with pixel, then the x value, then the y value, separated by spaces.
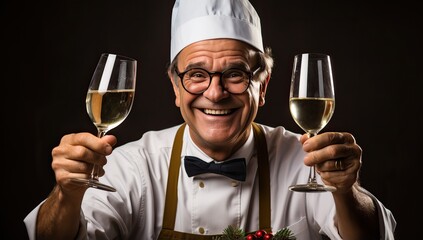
pixel 198 80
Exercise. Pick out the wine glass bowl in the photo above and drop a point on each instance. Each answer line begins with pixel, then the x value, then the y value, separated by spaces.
pixel 312 104
pixel 109 100
pixel 109 109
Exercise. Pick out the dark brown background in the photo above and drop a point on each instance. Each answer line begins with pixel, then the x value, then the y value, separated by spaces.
pixel 52 48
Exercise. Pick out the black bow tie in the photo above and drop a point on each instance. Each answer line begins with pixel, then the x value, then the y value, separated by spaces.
pixel 234 168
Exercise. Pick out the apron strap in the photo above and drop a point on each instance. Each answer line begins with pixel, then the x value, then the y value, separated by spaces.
pixel 169 214
pixel 264 179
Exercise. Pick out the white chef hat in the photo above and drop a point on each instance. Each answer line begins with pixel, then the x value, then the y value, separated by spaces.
pixel 196 20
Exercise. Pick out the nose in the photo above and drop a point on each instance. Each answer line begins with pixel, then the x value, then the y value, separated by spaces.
pixel 216 91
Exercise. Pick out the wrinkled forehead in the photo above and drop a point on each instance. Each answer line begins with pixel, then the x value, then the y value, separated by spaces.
pixel 225 53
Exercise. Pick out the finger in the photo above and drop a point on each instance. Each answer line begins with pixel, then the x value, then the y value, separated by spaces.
pixel 332 166
pixel 333 152
pixel 325 139
pixel 101 145
pixel 75 163
pixel 342 180
pixel 338 166
pixel 338 137
pixel 77 153
pixel 68 169
pixel 304 138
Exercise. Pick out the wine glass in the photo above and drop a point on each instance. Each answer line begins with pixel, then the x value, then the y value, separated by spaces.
pixel 312 103
pixel 109 100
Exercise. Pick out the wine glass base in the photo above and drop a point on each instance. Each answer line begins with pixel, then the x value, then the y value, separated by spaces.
pixel 94 184
pixel 312 187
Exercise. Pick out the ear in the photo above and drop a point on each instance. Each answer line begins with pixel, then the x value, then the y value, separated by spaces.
pixel 263 89
pixel 174 81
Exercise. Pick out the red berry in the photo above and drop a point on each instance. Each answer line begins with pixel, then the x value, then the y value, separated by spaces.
pixel 260 234
pixel 268 236
pixel 251 237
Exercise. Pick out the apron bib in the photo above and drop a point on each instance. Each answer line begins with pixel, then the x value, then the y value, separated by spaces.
pixel 171 201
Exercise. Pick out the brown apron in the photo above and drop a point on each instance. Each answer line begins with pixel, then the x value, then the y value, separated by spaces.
pixel 169 214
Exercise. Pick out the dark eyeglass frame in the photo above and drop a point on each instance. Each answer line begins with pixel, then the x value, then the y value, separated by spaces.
pixel 211 74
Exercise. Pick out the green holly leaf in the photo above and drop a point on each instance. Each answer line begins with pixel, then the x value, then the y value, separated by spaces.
pixel 284 234
pixel 231 233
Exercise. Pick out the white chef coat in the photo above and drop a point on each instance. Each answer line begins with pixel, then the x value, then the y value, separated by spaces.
pixel 207 203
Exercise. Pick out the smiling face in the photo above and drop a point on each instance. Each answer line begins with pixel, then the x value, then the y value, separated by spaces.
pixel 219 121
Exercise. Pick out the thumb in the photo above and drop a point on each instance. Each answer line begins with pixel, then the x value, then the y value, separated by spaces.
pixel 304 138
pixel 110 139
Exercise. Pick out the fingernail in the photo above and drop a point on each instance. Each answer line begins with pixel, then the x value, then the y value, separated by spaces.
pixel 109 149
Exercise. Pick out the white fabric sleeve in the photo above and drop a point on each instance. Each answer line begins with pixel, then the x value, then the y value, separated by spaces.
pixel 31 224
pixel 82 231
pixel 329 229
pixel 387 222
pixel 31 221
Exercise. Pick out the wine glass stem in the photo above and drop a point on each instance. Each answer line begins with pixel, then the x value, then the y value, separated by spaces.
pixel 312 173
pixel 94 171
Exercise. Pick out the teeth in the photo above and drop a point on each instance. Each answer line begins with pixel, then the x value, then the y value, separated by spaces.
pixel 216 112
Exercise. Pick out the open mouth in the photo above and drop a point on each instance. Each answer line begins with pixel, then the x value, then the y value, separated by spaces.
pixel 217 112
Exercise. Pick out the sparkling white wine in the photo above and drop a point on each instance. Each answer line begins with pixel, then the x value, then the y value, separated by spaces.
pixel 109 109
pixel 312 114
